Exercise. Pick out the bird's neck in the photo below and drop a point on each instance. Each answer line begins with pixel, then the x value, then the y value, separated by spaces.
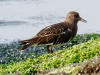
pixel 71 25
pixel 71 22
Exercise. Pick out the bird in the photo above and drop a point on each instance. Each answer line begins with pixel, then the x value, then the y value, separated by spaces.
pixel 55 34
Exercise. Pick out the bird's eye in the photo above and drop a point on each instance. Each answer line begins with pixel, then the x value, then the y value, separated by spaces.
pixel 76 15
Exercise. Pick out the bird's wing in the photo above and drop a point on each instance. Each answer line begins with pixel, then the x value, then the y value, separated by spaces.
pixel 51 30
pixel 60 38
pixel 57 33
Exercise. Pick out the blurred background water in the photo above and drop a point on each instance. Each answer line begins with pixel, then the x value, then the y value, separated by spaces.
pixel 22 19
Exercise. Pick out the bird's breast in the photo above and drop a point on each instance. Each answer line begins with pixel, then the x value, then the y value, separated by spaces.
pixel 74 31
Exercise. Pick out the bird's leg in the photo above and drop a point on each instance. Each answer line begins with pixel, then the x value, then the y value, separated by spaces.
pixel 49 49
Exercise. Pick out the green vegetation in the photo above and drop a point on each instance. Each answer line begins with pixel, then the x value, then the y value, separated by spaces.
pixel 80 49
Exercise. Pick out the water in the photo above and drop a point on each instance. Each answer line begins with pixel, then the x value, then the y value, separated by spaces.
pixel 22 19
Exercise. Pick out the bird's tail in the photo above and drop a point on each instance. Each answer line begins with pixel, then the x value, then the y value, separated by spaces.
pixel 25 46
pixel 26 43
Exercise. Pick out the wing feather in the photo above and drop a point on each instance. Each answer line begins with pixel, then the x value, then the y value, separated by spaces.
pixel 56 34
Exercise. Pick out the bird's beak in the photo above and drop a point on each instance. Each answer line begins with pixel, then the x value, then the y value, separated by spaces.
pixel 81 19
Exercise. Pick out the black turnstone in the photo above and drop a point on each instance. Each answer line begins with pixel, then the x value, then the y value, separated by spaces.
pixel 55 34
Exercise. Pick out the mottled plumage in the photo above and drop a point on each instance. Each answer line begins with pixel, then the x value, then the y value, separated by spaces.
pixel 57 33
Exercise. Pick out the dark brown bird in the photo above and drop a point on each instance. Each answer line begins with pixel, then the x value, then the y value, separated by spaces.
pixel 55 34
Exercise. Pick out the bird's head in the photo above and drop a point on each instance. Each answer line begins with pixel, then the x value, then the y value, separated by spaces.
pixel 74 17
